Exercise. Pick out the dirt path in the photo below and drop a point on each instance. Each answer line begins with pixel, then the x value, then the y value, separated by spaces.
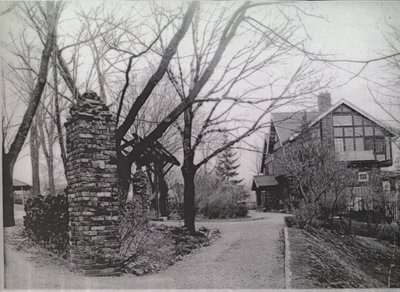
pixel 249 255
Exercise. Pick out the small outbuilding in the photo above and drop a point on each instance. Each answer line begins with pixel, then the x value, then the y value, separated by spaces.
pixel 22 191
pixel 265 187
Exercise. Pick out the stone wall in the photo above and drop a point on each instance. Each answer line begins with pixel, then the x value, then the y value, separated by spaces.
pixel 92 188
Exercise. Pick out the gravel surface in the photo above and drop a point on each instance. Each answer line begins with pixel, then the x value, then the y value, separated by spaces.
pixel 248 255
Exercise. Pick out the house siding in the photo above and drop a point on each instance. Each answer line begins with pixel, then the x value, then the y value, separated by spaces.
pixel 325 128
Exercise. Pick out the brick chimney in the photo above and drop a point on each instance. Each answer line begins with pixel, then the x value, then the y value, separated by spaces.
pixel 324 101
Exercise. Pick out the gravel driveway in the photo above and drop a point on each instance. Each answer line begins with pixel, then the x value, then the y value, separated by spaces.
pixel 248 255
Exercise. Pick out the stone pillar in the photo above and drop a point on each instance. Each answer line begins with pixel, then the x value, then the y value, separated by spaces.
pixel 92 188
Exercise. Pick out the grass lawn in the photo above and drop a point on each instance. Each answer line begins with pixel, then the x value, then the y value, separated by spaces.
pixel 322 259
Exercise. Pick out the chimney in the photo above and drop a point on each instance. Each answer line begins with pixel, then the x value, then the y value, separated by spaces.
pixel 324 101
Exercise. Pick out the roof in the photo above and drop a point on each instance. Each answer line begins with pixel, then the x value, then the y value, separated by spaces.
pixel 288 123
pixel 263 181
pixel 18 183
pixel 156 150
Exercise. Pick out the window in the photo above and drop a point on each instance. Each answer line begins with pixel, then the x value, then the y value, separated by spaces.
pixel 363 177
pixel 357 121
pixel 369 144
pixel 386 186
pixel 348 132
pixel 342 120
pixel 349 144
pixel 387 142
pixel 338 132
pixel 358 131
pixel 380 157
pixel 361 199
pixel 380 145
pixel 339 147
pixel 369 131
pixel 359 144
pixel 378 132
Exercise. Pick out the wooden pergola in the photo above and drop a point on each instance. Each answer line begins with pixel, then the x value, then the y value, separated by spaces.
pixel 158 162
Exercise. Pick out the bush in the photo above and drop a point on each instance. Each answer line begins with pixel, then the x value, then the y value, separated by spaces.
pixel 389 232
pixel 304 214
pixel 224 203
pixel 46 221
pixel 290 221
pixel 176 209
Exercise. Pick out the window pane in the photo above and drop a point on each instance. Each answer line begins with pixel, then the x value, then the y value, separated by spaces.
pixel 380 146
pixel 339 145
pixel 359 144
pixel 387 147
pixel 349 142
pixel 378 132
pixel 369 144
pixel 338 132
pixel 358 120
pixel 342 120
pixel 380 157
pixel 363 177
pixel 368 131
pixel 358 132
pixel 348 132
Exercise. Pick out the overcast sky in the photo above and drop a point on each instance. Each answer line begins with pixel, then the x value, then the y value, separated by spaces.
pixel 348 30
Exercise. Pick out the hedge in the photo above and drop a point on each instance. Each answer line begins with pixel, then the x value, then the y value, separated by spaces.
pixel 46 221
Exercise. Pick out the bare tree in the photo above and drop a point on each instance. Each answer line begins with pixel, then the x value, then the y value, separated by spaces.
pixel 47 133
pixel 322 182
pixel 34 144
pixel 217 110
pixel 386 93
pixel 49 15
pixel 197 87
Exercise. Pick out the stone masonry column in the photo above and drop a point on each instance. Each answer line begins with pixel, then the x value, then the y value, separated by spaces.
pixel 92 188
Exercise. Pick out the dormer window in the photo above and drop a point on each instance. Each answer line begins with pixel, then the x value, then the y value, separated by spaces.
pixel 342 120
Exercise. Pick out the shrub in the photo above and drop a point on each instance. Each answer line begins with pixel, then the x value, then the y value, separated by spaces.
pixel 176 209
pixel 389 232
pixel 290 221
pixel 46 221
pixel 224 202
pixel 304 214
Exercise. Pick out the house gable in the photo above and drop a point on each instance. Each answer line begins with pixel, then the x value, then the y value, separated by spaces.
pixel 357 136
pixel 343 107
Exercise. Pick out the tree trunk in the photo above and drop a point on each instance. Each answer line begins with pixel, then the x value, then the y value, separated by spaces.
pixel 34 144
pixel 189 209
pixel 47 147
pixel 8 198
pixel 33 103
pixel 58 114
pixel 50 169
pixel 163 196
pixel 188 172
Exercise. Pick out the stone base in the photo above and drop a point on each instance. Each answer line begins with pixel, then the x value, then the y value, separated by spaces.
pixel 115 272
pixel 96 270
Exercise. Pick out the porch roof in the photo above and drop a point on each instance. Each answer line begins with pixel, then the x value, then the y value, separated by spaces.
pixel 260 181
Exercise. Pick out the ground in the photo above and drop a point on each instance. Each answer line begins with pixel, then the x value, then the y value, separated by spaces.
pixel 249 254
pixel 324 259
